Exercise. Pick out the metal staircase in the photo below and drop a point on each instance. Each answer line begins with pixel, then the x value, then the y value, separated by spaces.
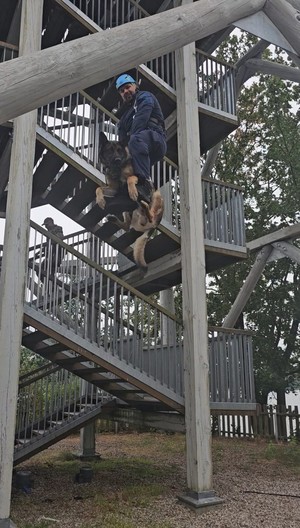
pixel 134 345
pixel 89 310
pixel 84 312
pixel 51 404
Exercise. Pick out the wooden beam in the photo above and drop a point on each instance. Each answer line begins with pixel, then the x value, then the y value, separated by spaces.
pixel 288 250
pixel 14 262
pixel 295 4
pixel 30 82
pixel 248 287
pixel 242 74
pixel 272 68
pixel 210 160
pixel 286 18
pixel 282 234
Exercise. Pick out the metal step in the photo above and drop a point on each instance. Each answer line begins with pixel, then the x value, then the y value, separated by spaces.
pixel 137 396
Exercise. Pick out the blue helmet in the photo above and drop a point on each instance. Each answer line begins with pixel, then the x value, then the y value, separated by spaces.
pixel 124 79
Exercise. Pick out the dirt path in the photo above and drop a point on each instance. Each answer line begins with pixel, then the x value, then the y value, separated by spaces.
pixel 139 476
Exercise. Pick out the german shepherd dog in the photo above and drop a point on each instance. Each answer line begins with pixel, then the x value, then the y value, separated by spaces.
pixel 118 170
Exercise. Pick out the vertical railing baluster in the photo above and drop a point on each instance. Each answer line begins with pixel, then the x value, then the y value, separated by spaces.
pixel 100 317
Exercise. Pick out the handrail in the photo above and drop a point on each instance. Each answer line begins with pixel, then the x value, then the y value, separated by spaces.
pixel 8 45
pixel 45 402
pixel 90 303
pixel 94 305
pixel 37 374
pixel 105 272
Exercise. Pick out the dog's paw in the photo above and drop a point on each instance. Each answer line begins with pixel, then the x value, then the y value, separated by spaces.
pixel 100 200
pixel 133 192
pixel 131 185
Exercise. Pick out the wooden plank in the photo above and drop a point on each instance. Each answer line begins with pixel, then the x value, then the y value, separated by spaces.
pixel 281 234
pixel 30 82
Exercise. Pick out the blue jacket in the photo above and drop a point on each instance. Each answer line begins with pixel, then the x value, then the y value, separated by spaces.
pixel 143 112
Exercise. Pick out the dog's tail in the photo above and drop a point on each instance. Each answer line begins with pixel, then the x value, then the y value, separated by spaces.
pixel 139 250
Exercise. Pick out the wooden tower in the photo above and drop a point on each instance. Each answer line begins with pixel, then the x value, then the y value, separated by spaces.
pixel 59 59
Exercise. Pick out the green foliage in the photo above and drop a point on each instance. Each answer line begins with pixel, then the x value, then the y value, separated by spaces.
pixel 287 455
pixel 29 361
pixel 263 157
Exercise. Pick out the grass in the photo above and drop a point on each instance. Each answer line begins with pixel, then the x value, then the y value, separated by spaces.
pixel 287 455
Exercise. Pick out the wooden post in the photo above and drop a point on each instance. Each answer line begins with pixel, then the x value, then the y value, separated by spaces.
pixel 88 442
pixel 247 287
pixel 196 382
pixel 14 264
pixel 88 432
pixel 30 82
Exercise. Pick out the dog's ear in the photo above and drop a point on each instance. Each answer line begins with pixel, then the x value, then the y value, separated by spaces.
pixel 102 140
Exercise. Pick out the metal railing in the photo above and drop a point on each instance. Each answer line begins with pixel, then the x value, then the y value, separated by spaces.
pixel 164 67
pixel 48 397
pixel 108 14
pixel 94 248
pixel 231 366
pixel 216 83
pixel 223 213
pixel 7 51
pixel 76 121
pixel 216 79
pixel 78 294
pixel 100 308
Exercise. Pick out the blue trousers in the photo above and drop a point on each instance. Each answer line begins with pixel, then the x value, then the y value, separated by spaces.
pixel 146 148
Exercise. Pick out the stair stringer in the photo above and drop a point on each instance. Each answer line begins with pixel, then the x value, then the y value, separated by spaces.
pixel 37 444
pixel 100 357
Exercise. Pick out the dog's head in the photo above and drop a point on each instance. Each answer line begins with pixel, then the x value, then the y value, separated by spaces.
pixel 111 153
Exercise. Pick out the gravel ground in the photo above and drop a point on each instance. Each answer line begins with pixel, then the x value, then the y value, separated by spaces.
pixel 138 478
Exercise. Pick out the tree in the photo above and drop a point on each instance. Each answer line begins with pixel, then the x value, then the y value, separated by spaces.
pixel 262 156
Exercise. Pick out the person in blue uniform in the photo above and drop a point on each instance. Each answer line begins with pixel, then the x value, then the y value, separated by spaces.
pixel 142 129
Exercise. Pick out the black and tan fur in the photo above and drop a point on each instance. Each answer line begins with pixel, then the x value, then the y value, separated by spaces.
pixel 118 169
pixel 146 217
